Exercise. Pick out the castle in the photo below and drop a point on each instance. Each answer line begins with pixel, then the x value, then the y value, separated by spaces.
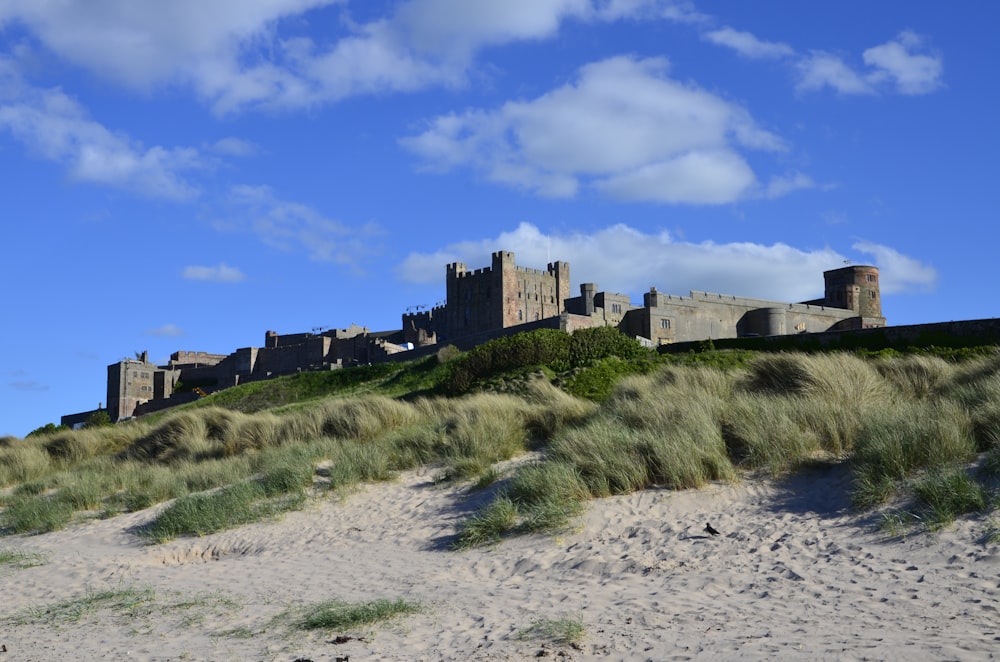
pixel 487 303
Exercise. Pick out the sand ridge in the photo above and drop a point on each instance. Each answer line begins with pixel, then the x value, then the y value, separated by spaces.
pixel 794 574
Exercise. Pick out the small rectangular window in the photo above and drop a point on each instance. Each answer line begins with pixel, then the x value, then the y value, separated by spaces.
pixel 664 324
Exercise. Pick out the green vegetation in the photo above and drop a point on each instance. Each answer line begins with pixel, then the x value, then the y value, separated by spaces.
pixel 18 559
pixel 129 601
pixel 339 615
pixel 560 631
pixel 604 415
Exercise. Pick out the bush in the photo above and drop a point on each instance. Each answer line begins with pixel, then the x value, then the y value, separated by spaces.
pixel 542 347
pixel 98 419
pixel 589 345
pixel 48 428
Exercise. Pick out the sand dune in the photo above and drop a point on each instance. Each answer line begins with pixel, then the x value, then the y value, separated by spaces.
pixel 794 574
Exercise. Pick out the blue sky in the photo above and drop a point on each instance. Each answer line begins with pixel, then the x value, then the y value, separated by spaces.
pixel 191 174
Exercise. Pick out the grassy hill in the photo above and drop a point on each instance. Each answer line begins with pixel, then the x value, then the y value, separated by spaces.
pixel 920 431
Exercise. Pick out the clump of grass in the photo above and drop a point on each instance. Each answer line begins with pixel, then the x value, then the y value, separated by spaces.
pixel 363 417
pixel 205 513
pixel 762 430
pixel 481 430
pixel 896 522
pixel 35 514
pixel 23 461
pixel 948 494
pixel 126 600
pixel 899 442
pixel 551 410
pixel 541 496
pixel 917 376
pixel 340 615
pixel 182 435
pixel 19 559
pixel 488 525
pixel 563 631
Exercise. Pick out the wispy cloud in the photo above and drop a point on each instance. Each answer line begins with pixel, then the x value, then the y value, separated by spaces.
pixel 747 45
pixel 898 63
pixel 221 273
pixel 231 54
pixel 55 127
pixel 28 385
pixel 293 226
pixel 609 256
pixel 624 127
pixel 165 331
pixel 231 146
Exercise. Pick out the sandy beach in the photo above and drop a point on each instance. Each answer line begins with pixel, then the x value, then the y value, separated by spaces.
pixel 794 574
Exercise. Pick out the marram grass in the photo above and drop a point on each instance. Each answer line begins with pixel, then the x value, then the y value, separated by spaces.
pixel 672 423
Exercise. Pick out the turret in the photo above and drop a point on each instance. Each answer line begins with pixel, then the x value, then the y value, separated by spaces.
pixel 854 288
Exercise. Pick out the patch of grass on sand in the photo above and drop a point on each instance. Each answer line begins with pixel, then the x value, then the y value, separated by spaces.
pixel 567 630
pixel 35 514
pixel 205 513
pixel 340 615
pixel 948 494
pixel 129 601
pixel 18 559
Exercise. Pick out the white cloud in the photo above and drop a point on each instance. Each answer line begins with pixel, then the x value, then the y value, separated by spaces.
pixel 55 127
pixel 623 259
pixel 898 272
pixel 896 62
pixel 781 186
pixel 293 226
pixel 819 70
pixel 166 331
pixel 623 127
pixel 143 44
pixel 231 146
pixel 748 45
pixel 240 53
pixel 221 273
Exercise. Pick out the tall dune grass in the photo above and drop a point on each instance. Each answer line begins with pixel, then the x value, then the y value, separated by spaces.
pixel 898 420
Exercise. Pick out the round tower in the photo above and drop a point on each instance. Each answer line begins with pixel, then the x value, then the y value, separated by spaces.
pixel 854 288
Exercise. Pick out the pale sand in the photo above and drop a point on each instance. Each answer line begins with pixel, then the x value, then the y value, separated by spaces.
pixel 795 575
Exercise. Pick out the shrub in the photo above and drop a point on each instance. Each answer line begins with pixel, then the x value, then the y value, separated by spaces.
pixel 588 345
pixel 98 419
pixel 48 428
pixel 542 347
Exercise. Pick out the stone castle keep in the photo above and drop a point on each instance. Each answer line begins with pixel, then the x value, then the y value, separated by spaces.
pixel 487 303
